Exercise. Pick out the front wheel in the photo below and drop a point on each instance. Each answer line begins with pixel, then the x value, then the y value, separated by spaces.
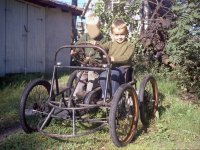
pixel 148 96
pixel 123 117
pixel 33 106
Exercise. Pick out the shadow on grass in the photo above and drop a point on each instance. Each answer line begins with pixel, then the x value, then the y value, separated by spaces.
pixel 18 79
pixel 23 141
pixel 11 87
pixel 161 108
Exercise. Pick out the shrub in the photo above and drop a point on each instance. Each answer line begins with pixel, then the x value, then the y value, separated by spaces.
pixel 183 45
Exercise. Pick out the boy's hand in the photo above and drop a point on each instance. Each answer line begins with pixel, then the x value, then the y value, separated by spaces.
pixel 87 59
pixel 105 59
pixel 73 52
pixel 112 58
pixel 93 42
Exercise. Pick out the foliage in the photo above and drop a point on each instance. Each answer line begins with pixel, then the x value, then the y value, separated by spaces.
pixel 183 45
pixel 109 13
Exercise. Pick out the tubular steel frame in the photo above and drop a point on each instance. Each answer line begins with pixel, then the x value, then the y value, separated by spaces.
pixel 62 106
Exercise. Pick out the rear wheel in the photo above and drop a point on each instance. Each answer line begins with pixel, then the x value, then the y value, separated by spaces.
pixel 123 117
pixel 91 98
pixel 33 104
pixel 71 83
pixel 148 96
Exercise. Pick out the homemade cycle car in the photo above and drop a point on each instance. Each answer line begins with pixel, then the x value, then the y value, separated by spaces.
pixel 52 109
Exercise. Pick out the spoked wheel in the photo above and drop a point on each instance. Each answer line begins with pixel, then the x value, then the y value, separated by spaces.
pixel 72 81
pixel 91 98
pixel 71 85
pixel 123 117
pixel 33 106
pixel 148 96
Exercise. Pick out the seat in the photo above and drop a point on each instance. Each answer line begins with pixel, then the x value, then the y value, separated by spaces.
pixel 128 76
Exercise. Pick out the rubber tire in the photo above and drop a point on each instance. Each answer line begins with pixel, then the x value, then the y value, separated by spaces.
pixel 70 82
pixel 143 103
pixel 23 101
pixel 112 116
pixel 91 98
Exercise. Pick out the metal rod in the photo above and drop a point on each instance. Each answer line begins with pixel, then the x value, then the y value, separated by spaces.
pixel 85 9
pixel 45 121
pixel 52 83
pixel 83 67
pixel 73 122
pixel 107 82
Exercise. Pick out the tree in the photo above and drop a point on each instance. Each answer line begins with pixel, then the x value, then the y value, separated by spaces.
pixel 74 19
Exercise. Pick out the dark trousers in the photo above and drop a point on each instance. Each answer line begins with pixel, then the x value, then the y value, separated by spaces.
pixel 117 78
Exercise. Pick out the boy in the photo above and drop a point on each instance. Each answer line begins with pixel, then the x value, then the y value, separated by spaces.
pixel 120 51
pixel 92 33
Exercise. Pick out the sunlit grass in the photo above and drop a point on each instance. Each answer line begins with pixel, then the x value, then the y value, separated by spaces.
pixel 176 127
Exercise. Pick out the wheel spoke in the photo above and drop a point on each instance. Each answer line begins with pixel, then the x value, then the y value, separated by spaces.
pixel 35 101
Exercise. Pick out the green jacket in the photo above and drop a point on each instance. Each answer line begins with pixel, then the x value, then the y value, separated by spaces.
pixel 85 38
pixel 122 52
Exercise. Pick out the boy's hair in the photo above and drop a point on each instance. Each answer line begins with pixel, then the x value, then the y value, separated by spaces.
pixel 119 24
pixel 92 19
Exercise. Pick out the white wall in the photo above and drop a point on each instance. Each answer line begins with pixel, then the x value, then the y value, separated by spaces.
pixel 16 20
pixel 36 39
pixel 30 35
pixel 2 37
pixel 58 31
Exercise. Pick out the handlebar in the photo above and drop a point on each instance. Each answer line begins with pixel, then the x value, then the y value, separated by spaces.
pixel 84 45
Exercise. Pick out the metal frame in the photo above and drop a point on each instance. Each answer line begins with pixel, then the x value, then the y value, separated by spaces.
pixel 64 105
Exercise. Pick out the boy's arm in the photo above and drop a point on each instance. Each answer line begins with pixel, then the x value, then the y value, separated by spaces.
pixel 82 39
pixel 106 46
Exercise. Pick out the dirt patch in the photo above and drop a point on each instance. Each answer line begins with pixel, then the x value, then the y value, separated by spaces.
pixel 9 131
pixel 189 97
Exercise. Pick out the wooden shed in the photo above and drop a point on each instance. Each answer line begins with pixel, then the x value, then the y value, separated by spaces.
pixel 31 31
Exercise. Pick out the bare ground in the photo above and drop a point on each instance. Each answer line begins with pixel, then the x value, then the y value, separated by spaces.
pixel 9 131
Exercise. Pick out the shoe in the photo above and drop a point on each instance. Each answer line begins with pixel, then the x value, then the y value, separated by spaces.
pixel 81 95
pixel 101 102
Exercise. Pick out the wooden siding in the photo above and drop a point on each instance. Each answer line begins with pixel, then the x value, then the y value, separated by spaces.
pixel 30 35
pixel 2 37
pixel 58 31
pixel 36 39
pixel 25 38
pixel 16 22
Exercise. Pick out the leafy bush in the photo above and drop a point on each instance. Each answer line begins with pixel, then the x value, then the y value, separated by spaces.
pixel 183 45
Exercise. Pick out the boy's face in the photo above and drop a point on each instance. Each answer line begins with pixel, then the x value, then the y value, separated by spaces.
pixel 93 30
pixel 119 35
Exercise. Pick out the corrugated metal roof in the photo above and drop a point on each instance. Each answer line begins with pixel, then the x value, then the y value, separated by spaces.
pixel 54 3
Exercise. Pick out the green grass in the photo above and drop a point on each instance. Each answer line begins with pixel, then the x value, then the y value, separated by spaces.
pixel 11 88
pixel 176 127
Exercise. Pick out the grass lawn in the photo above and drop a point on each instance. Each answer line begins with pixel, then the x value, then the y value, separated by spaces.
pixel 176 127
